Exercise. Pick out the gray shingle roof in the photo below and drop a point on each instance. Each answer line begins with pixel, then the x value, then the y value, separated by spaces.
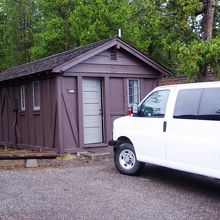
pixel 51 62
pixel 48 63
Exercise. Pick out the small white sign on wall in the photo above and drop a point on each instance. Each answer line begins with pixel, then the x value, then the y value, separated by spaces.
pixel 70 91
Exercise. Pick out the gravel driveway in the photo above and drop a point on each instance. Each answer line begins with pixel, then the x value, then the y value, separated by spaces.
pixel 81 190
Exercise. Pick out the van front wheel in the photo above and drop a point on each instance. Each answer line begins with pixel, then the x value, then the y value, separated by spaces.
pixel 125 160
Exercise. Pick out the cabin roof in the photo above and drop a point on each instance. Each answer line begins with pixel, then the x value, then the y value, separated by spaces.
pixel 61 61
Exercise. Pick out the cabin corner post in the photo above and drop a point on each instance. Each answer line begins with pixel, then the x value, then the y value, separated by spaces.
pixel 59 80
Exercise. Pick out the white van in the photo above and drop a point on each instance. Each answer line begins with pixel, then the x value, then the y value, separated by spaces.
pixel 175 126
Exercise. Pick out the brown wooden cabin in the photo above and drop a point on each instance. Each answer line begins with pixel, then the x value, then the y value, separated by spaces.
pixel 67 102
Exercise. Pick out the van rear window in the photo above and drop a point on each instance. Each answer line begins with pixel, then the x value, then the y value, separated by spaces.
pixel 187 103
pixel 210 105
pixel 201 104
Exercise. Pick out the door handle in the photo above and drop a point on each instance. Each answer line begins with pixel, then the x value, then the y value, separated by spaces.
pixel 164 126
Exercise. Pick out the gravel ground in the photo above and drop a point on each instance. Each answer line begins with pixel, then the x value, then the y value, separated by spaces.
pixel 95 190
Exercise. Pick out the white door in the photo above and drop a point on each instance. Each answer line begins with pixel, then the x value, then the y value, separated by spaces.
pixel 92 111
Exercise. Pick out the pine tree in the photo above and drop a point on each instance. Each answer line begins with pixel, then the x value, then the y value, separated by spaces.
pixel 17 26
pixel 53 28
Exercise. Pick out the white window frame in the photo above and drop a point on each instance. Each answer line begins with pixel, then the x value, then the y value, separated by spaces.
pixel 138 91
pixel 23 96
pixel 36 107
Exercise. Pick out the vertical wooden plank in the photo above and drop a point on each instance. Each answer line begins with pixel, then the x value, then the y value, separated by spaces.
pixel 19 127
pixel 59 82
pixel 16 108
pixel 80 111
pixel 46 113
pixel 38 119
pixel 30 115
pixel 6 109
pixel 107 119
pixel 11 115
pixel 71 118
pixel 117 96
pixel 54 139
pixel 24 117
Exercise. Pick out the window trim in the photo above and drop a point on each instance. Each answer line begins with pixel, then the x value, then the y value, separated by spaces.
pixel 36 107
pixel 138 80
pixel 23 97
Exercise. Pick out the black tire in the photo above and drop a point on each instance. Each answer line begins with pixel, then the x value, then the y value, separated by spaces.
pixel 125 160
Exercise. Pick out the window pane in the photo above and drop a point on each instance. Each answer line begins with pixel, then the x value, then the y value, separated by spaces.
pixel 22 91
pixel 187 104
pixel 210 104
pixel 36 95
pixel 155 104
pixel 133 91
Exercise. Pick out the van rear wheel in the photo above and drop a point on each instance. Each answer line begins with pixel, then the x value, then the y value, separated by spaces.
pixel 125 159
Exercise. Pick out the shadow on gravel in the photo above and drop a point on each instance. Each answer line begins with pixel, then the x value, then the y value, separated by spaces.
pixel 187 181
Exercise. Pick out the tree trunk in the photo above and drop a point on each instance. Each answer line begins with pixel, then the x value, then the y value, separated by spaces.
pixel 66 45
pixel 208 20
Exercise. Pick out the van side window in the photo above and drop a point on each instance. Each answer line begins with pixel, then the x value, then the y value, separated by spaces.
pixel 210 105
pixel 155 104
pixel 187 103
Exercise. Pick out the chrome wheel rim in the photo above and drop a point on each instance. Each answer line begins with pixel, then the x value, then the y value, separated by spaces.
pixel 127 159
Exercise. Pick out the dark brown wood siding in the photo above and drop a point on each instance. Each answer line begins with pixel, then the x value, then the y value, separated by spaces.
pixel 124 64
pixel 114 75
pixel 7 115
pixel 58 125
pixel 69 109
pixel 33 129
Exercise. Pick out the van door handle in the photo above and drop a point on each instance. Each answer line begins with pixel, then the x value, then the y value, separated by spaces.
pixel 164 126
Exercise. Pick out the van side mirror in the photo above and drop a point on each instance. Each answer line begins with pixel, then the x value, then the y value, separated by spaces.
pixel 134 108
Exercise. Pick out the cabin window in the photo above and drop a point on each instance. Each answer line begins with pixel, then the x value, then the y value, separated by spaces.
pixel 22 92
pixel 133 91
pixel 113 55
pixel 36 95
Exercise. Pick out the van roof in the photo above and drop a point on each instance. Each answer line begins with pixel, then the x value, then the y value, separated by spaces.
pixel 192 85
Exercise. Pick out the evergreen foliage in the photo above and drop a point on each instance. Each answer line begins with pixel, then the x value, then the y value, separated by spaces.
pixel 169 31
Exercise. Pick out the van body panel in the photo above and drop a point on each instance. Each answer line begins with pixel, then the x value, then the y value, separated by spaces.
pixel 189 144
pixel 193 145
pixel 150 143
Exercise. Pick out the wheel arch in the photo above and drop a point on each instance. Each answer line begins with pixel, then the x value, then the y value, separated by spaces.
pixel 123 139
